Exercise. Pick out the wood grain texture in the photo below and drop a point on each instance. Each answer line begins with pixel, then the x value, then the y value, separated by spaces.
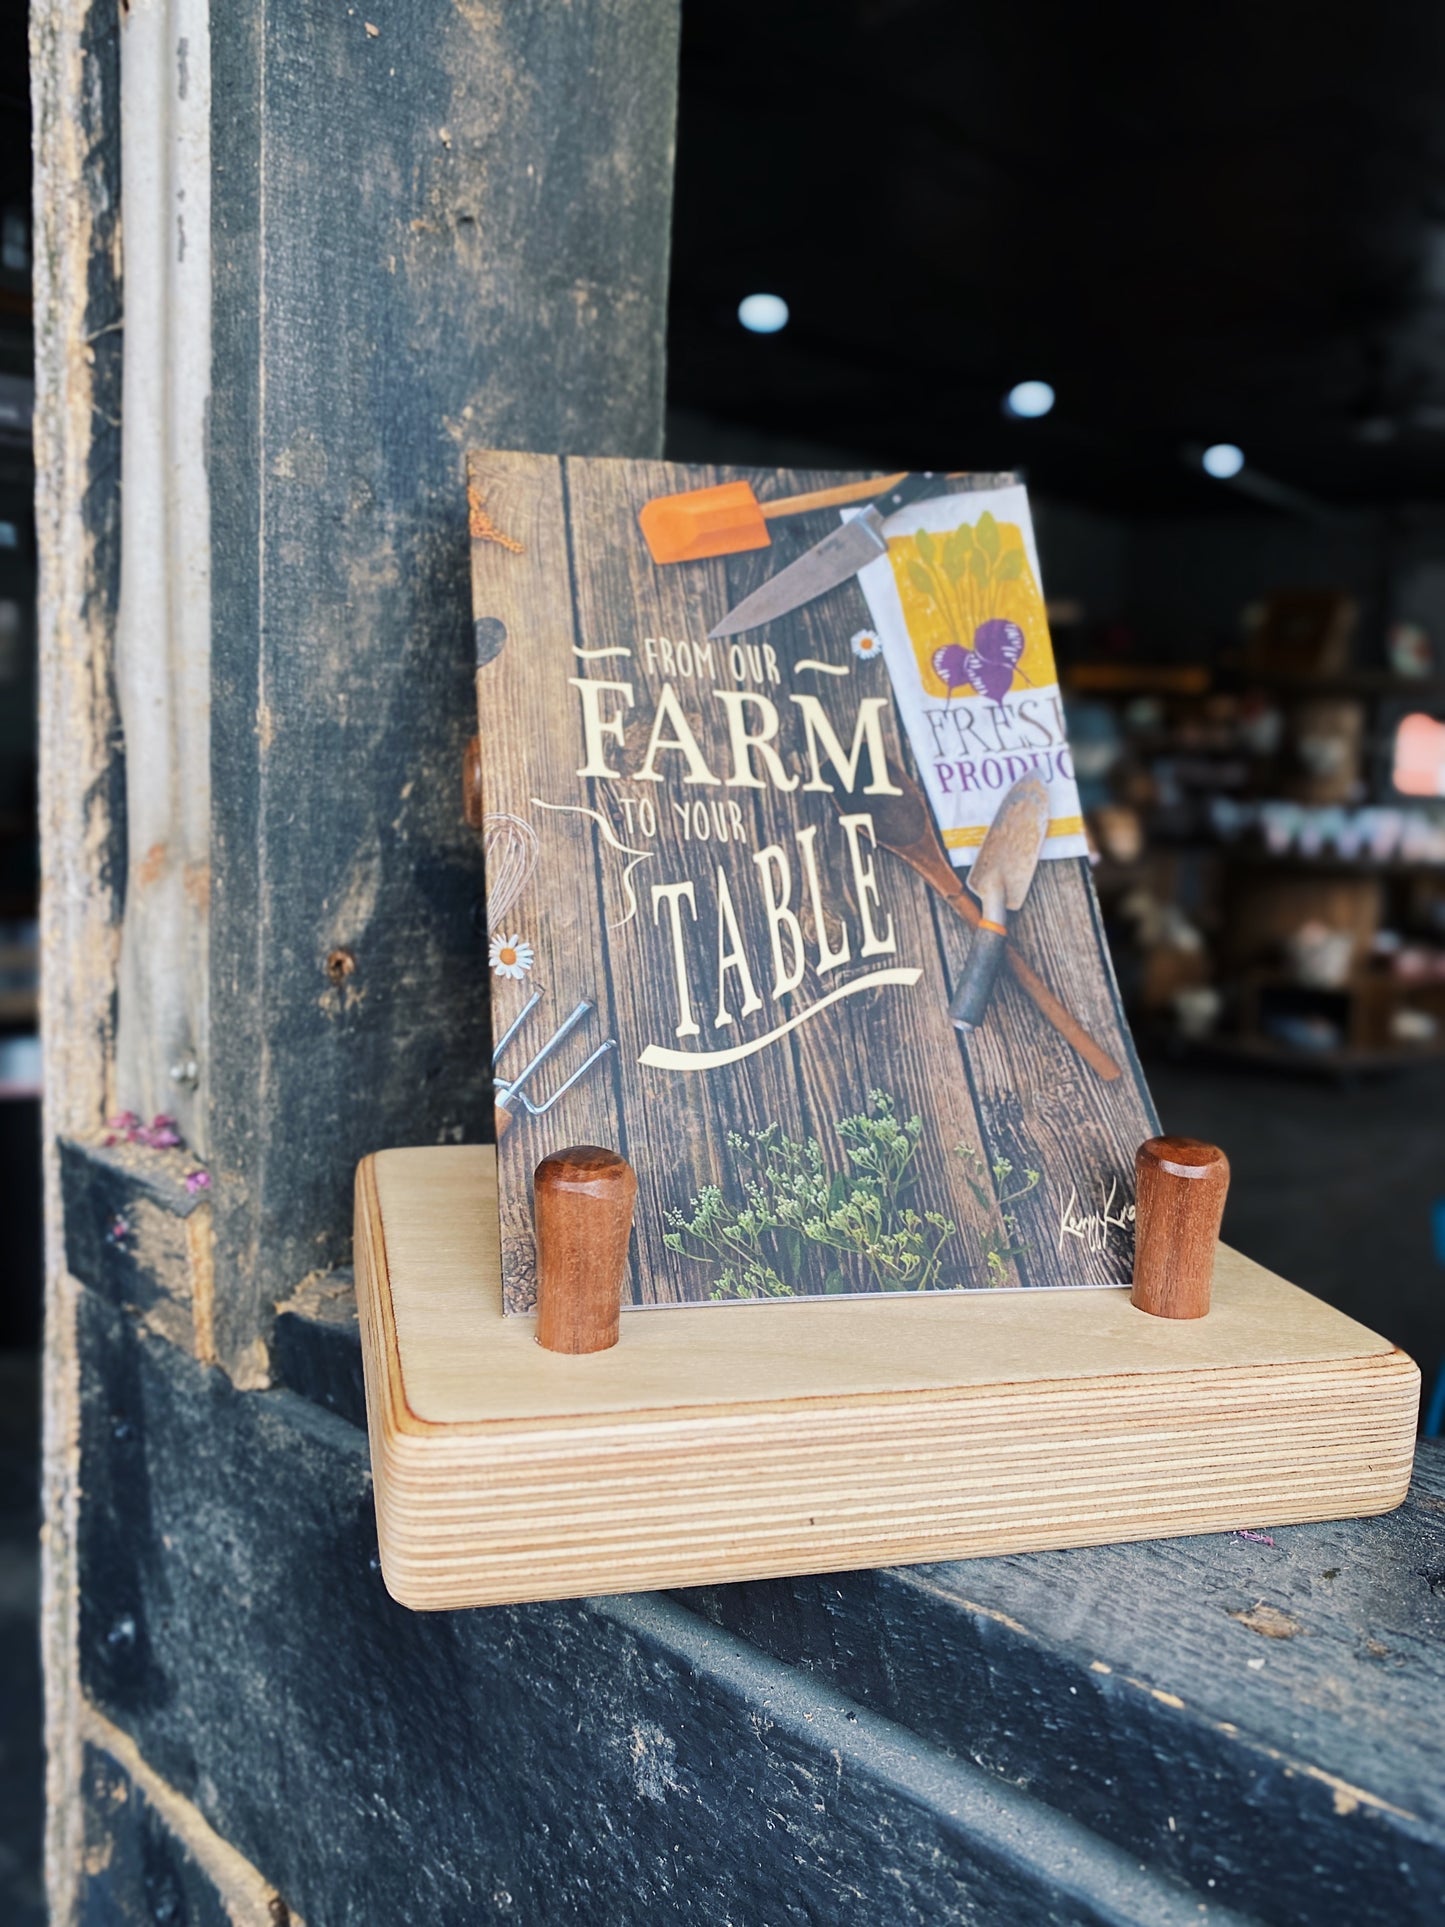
pixel 134 1234
pixel 676 1145
pixel 79 341
pixel 1181 1188
pixel 162 657
pixel 525 625
pixel 1040 1106
pixel 906 828
pixel 902 1040
pixel 1296 1779
pixel 749 1440
pixel 826 1070
pixel 1026 1149
pixel 446 225
pixel 856 1748
pixel 150 1856
pixel 445 220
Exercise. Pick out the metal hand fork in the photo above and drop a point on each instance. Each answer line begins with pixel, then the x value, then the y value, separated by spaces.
pixel 509 1094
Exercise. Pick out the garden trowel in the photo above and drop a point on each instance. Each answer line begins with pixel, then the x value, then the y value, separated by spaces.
pixel 1000 878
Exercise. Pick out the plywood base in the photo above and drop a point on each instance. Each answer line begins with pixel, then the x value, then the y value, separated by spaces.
pixel 748 1441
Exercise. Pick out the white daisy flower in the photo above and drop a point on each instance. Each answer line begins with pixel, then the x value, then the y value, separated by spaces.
pixel 510 956
pixel 865 645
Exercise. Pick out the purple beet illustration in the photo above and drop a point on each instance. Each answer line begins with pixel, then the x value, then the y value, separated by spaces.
pixel 989 665
pixel 950 665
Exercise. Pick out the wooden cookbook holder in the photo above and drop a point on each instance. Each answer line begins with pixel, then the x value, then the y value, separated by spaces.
pixel 567 1451
pixel 730 1442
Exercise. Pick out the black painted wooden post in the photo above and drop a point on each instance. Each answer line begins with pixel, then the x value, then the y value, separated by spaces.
pixel 444 228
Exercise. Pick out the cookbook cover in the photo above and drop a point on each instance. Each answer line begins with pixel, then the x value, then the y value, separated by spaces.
pixel 787 891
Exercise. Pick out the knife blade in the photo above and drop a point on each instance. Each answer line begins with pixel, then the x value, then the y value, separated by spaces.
pixel 838 556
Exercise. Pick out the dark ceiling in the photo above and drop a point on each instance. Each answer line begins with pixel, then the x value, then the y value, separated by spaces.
pixel 1200 224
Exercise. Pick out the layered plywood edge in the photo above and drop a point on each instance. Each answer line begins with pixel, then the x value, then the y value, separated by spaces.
pixel 750 1441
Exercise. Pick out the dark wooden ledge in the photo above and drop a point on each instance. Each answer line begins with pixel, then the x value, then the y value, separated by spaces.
pixel 1202 1729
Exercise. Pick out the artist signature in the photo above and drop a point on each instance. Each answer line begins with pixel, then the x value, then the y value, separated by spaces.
pixel 1094 1226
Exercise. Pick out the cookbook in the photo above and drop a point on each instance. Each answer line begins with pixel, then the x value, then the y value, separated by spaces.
pixel 787 889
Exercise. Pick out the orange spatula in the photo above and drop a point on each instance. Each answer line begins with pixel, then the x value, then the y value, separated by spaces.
pixel 729 519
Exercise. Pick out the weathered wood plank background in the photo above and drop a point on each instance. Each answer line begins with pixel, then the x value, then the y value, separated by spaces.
pixel 571 592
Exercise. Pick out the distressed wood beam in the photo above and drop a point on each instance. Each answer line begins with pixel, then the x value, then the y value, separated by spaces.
pixel 163 625
pixel 78 338
pixel 434 227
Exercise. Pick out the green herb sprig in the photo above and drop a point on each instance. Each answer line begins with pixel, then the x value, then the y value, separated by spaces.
pixel 793 1205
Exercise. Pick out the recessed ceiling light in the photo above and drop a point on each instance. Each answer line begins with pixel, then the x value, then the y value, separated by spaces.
pixel 763 314
pixel 1029 400
pixel 1222 460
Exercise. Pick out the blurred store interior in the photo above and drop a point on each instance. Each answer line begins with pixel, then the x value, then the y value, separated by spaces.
pixel 1191 285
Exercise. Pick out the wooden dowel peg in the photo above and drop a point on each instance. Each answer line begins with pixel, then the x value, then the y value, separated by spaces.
pixel 582 1201
pixel 1179 1203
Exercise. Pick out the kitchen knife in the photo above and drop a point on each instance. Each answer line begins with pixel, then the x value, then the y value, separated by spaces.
pixel 829 562
pixel 1000 878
